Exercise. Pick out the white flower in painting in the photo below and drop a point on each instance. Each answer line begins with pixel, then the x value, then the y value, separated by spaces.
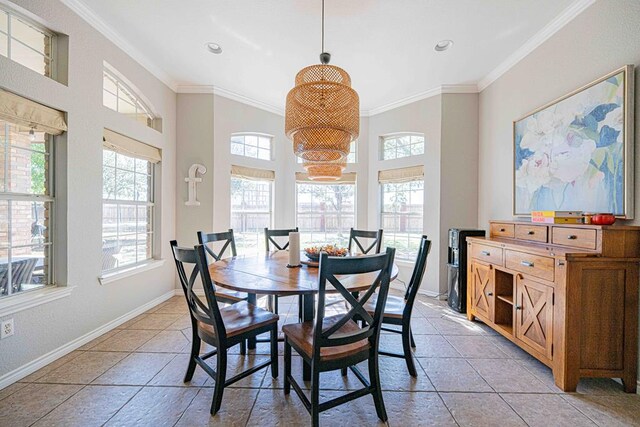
pixel 540 129
pixel 595 180
pixel 570 157
pixel 613 119
pixel 534 172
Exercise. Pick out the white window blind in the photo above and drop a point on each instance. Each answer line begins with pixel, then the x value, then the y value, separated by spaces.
pixel 30 114
pixel 401 175
pixel 252 173
pixel 130 147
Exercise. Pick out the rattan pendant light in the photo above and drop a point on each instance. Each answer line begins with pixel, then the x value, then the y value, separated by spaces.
pixel 325 171
pixel 322 113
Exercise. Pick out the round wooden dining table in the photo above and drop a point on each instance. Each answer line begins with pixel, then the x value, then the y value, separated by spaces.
pixel 268 274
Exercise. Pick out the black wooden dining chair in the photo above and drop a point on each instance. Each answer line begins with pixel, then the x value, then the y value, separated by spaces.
pixel 226 238
pixel 356 235
pixel 338 342
pixel 221 328
pixel 270 238
pixel 397 310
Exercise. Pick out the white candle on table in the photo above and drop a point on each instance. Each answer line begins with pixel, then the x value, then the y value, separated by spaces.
pixel 294 249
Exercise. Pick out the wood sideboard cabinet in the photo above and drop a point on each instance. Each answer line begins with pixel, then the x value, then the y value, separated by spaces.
pixel 566 294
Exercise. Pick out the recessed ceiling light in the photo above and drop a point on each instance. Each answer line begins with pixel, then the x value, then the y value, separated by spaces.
pixel 443 45
pixel 214 48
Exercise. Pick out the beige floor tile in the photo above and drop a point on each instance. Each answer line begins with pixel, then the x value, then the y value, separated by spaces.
pixel 476 346
pixel 21 409
pixel 135 369
pixel 237 364
pixel 166 342
pixel 84 368
pixel 183 322
pixel 454 374
pixel 173 307
pixel 509 348
pixel 541 372
pixel 421 326
pixel 416 409
pixel 126 340
pixel 609 411
pixel 508 376
pixel 91 406
pixel 130 322
pixel 395 376
pixel 430 346
pixel 234 411
pixel 155 321
pixel 173 374
pixel 600 386
pixel 9 390
pixel 481 410
pixel 154 406
pixel 101 338
pixel 453 325
pixel 51 366
pixel 542 410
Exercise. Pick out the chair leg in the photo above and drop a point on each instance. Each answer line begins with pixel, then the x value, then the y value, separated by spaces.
pixel 274 351
pixel 275 303
pixel 221 374
pixel 243 347
pixel 195 352
pixel 270 305
pixel 406 347
pixel 300 307
pixel 343 371
pixel 374 379
pixel 315 397
pixel 287 366
pixel 413 343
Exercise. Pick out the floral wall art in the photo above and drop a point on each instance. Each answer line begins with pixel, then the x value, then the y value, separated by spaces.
pixel 577 152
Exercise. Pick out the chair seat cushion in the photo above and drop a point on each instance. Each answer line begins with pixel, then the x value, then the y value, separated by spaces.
pixel 393 308
pixel 225 295
pixel 301 336
pixel 238 318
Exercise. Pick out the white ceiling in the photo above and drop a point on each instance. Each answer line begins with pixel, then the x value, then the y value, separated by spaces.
pixel 385 45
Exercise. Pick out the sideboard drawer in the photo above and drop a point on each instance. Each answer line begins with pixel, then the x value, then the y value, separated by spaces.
pixel 574 237
pixel 486 253
pixel 499 229
pixel 533 233
pixel 535 265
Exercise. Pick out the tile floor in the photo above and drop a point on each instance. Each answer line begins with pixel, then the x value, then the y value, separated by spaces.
pixel 468 376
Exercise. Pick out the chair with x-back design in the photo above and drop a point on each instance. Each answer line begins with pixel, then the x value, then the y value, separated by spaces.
pixel 221 328
pixel 338 342
pixel 228 241
pixel 270 238
pixel 356 235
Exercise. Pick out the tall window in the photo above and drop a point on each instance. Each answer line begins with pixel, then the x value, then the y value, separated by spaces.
pixel 325 212
pixel 251 208
pixel 401 145
pixel 351 158
pixel 127 206
pixel 25 42
pixel 252 145
pixel 26 208
pixel 402 207
pixel 118 96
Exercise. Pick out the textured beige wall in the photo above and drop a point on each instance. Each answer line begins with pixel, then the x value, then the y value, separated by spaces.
pixel 78 262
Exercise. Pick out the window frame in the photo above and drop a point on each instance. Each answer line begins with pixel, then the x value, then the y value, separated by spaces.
pixel 53 41
pixel 244 145
pixel 355 202
pixel 42 198
pixel 152 204
pixel 138 102
pixel 381 213
pixel 387 137
pixel 271 212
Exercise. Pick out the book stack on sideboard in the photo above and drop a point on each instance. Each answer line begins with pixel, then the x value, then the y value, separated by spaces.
pixel 565 293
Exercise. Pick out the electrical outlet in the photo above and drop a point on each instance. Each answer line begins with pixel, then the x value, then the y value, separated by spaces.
pixel 6 330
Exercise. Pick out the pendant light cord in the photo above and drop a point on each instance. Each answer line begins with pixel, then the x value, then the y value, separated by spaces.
pixel 322 26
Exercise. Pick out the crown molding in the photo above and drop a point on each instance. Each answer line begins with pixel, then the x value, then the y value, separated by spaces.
pixel 444 89
pixel 113 36
pixel 195 89
pixel 575 9
pixel 215 90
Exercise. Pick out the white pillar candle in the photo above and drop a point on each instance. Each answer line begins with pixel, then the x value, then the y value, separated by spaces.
pixel 294 249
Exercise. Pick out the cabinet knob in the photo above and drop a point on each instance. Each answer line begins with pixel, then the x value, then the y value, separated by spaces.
pixel 489 294
pixel 502 230
pixel 526 263
pixel 518 307
pixel 485 253
pixel 531 233
pixel 572 237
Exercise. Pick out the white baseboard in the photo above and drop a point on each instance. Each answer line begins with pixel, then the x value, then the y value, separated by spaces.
pixel 29 368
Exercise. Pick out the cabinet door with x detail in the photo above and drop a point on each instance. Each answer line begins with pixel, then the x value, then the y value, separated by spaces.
pixel 534 315
pixel 482 290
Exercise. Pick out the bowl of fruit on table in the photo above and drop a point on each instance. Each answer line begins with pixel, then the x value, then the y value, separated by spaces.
pixel 313 252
